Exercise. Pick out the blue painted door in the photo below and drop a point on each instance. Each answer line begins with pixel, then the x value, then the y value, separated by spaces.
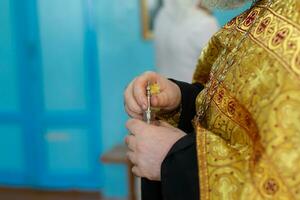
pixel 12 159
pixel 49 105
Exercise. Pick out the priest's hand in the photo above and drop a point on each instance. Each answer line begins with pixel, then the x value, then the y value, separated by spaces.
pixel 135 98
pixel 148 146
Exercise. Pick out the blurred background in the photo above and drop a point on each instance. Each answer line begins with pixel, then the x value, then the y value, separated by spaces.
pixel 63 67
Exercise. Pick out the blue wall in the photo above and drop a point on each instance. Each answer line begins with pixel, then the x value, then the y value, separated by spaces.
pixel 63 70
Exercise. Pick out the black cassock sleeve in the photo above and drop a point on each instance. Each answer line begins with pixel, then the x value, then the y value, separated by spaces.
pixel 179 171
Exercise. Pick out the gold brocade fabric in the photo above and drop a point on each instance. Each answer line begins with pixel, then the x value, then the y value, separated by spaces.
pixel 171 117
pixel 249 142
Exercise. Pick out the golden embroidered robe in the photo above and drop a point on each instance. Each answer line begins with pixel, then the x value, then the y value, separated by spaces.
pixel 248 145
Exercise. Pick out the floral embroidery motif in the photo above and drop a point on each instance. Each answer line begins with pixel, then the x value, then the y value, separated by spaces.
pixel 280 36
pixel 231 107
pixel 263 25
pixel 271 186
pixel 231 22
pixel 220 95
pixel 250 18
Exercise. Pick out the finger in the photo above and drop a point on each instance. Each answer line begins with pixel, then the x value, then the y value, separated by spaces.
pixel 136 126
pixel 130 141
pixel 134 107
pixel 136 171
pixel 128 90
pixel 132 157
pixel 160 100
pixel 155 101
pixel 130 101
pixel 133 114
pixel 139 88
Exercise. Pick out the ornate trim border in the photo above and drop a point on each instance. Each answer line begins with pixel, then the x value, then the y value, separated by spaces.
pixel 202 163
pixel 277 35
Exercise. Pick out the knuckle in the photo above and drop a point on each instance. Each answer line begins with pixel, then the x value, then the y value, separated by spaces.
pixel 128 88
pixel 129 124
pixel 149 73
pixel 137 81
pixel 132 82
pixel 127 111
pixel 126 107
pixel 135 171
pixel 128 154
pixel 126 140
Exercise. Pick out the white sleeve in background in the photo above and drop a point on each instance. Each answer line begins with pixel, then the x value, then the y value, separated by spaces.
pixel 178 44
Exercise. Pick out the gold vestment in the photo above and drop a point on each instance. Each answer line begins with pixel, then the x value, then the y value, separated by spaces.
pixel 248 145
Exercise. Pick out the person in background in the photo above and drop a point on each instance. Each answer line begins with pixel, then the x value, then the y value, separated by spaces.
pixel 182 28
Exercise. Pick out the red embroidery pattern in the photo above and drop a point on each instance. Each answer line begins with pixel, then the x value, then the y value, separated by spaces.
pixel 234 110
pixel 250 18
pixel 263 25
pixel 271 186
pixel 279 36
